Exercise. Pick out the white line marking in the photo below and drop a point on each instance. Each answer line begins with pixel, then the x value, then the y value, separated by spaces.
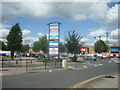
pixel 84 66
pixel 98 65
pixel 71 67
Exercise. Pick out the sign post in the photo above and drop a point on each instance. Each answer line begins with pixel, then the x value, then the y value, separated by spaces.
pixel 54 35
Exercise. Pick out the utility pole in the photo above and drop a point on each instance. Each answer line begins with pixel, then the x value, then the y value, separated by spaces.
pixel 107 41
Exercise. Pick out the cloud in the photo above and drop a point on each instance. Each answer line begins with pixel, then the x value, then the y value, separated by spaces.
pixel 4 33
pixel 47 36
pixel 90 44
pixel 30 40
pixel 111 40
pixel 112 16
pixel 3 40
pixel 84 39
pixel 40 34
pixel 97 33
pixel 97 11
pixel 26 33
pixel 114 33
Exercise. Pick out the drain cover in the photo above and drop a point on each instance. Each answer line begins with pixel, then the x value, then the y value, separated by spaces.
pixel 109 77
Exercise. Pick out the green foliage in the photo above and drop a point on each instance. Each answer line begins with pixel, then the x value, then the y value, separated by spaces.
pixel 62 48
pixel 3 47
pixel 14 39
pixel 25 48
pixel 36 46
pixel 42 44
pixel 100 46
pixel 73 42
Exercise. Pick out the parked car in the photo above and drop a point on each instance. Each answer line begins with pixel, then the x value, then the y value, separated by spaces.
pixel 64 56
pixel 105 57
pixel 87 57
pixel 39 56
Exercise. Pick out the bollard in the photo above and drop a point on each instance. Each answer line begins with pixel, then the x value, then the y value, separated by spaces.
pixel 55 63
pixel 64 63
pixel 16 61
pixel 2 61
pixel 20 62
pixel 26 65
pixel 31 61
pixel 9 60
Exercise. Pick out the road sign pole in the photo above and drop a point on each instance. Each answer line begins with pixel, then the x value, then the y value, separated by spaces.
pixel 45 63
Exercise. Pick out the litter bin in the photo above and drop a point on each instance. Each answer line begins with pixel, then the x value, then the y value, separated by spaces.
pixel 64 63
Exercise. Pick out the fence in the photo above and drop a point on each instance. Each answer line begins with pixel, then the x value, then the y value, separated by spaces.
pixel 30 63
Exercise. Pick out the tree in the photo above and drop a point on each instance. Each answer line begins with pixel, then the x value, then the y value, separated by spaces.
pixel 42 44
pixel 100 46
pixel 62 48
pixel 36 46
pixel 73 42
pixel 3 47
pixel 14 39
pixel 25 48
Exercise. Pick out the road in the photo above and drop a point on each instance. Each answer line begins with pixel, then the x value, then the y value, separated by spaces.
pixel 61 78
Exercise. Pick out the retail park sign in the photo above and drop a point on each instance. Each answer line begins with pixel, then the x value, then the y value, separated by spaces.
pixel 54 34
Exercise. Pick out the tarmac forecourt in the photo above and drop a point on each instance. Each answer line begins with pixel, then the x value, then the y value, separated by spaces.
pixel 89 80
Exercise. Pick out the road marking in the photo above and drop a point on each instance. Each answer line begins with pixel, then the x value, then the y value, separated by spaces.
pixel 5 73
pixel 71 67
pixel 98 65
pixel 109 61
pixel 78 68
pixel 83 82
pixel 84 66
pixel 86 81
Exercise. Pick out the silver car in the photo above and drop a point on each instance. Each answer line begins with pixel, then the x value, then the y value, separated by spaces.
pixel 94 58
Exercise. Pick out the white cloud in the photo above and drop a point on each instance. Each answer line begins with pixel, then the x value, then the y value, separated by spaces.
pixel 47 36
pixel 30 40
pixel 97 11
pixel 84 39
pixel 4 33
pixel 3 40
pixel 25 33
pixel 40 34
pixel 90 44
pixel 114 33
pixel 112 16
pixel 97 33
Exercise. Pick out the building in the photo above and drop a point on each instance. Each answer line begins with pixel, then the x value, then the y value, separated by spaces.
pixel 114 50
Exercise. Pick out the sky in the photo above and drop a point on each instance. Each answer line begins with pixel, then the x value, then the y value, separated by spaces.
pixel 88 19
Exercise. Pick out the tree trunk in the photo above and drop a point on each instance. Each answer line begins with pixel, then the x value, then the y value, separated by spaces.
pixel 12 55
